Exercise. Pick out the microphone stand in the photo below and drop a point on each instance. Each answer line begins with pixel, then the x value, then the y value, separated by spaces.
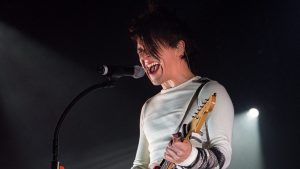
pixel 110 82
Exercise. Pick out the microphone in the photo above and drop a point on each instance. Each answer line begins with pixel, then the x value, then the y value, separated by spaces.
pixel 121 71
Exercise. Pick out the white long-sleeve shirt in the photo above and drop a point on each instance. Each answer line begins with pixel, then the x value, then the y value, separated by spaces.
pixel 161 115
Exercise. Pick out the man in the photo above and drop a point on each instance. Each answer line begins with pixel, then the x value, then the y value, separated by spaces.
pixel 164 48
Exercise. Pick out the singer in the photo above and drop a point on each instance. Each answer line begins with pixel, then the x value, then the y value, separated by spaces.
pixel 165 51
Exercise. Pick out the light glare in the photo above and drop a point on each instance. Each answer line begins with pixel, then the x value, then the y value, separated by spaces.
pixel 253 113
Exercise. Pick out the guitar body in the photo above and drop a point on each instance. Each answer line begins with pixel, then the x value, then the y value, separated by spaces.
pixel 196 124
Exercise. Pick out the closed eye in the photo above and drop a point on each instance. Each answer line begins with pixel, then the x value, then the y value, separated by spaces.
pixel 140 51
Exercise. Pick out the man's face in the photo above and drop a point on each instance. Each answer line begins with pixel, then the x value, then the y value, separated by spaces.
pixel 158 70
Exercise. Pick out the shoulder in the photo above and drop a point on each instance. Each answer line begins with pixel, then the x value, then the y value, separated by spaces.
pixel 148 104
pixel 214 87
pixel 210 84
pixel 223 107
pixel 211 87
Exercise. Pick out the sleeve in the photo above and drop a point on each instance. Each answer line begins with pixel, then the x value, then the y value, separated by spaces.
pixel 219 125
pixel 142 158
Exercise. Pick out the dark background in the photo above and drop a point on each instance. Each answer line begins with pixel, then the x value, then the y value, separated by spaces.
pixel 50 50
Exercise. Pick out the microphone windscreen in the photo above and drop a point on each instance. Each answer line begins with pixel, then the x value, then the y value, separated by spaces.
pixel 138 72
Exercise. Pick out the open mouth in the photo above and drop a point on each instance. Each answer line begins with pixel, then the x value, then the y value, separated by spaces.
pixel 153 68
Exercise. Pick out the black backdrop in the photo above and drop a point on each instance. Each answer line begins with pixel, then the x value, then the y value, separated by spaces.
pixel 50 51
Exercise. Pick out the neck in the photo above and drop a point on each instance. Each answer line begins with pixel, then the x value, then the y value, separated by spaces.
pixel 177 80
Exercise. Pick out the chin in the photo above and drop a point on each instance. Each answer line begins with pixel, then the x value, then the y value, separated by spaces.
pixel 155 82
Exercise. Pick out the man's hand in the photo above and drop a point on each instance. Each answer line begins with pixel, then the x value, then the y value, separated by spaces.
pixel 178 150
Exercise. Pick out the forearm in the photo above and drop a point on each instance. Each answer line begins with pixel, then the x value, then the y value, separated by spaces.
pixel 139 167
pixel 208 158
pixel 142 158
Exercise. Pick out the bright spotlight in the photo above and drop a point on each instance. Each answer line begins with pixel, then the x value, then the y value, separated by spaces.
pixel 253 113
pixel 246 142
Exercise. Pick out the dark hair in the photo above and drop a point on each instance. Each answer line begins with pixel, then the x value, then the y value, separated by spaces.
pixel 159 25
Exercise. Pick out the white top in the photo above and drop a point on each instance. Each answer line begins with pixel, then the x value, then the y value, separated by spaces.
pixel 161 115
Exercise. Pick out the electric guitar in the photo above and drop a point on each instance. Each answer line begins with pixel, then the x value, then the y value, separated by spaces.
pixel 195 126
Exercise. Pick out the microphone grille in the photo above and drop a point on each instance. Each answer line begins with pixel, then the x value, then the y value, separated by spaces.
pixel 138 72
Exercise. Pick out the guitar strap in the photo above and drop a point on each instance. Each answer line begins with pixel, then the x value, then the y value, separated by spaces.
pixel 203 81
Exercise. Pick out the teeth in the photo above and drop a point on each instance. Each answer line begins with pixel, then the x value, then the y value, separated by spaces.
pixel 152 64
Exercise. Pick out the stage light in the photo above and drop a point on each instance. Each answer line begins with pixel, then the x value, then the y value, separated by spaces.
pixel 246 141
pixel 253 113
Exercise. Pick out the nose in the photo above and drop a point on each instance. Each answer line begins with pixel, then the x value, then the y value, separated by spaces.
pixel 144 57
pixel 144 60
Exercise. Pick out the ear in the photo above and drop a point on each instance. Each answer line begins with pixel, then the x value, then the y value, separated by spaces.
pixel 180 48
